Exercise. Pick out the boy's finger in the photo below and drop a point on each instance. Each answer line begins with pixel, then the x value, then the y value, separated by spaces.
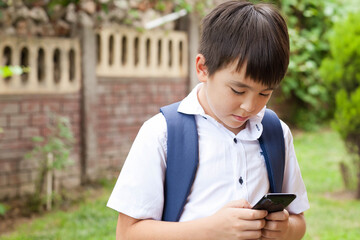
pixel 254 224
pixel 250 214
pixel 278 216
pixel 251 234
pixel 275 225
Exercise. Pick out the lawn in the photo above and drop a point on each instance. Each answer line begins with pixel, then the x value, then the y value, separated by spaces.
pixel 333 215
pixel 90 220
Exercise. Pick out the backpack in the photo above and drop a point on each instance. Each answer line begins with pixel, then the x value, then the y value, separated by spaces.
pixel 183 157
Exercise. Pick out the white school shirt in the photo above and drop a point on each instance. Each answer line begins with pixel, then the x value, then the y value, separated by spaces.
pixel 225 160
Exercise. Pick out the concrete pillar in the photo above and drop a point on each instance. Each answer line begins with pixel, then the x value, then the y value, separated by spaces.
pixel 194 38
pixel 89 103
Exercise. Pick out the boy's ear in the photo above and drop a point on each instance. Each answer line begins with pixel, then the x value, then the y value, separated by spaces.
pixel 201 69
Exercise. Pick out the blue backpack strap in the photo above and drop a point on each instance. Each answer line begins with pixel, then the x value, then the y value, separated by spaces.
pixel 273 148
pixel 182 160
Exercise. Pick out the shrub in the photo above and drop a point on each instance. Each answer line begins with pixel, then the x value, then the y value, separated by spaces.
pixel 52 153
pixel 342 72
pixel 347 115
pixel 308 23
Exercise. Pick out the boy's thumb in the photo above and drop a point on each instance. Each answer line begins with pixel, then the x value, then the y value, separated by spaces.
pixel 242 203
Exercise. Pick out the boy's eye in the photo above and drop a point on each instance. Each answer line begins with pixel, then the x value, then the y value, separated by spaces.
pixel 237 92
pixel 265 94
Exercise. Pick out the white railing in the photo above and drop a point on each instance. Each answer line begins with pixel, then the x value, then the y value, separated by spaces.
pixel 54 65
pixel 125 52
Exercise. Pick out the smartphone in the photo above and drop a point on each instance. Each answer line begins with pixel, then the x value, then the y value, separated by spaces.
pixel 274 202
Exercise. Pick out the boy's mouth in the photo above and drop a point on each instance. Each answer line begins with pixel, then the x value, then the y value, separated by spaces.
pixel 240 119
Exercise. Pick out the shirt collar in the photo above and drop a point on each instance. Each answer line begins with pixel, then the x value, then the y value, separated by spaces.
pixel 191 105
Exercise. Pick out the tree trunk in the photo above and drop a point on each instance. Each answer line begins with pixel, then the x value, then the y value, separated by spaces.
pixel 345 174
pixel 49 182
pixel 358 181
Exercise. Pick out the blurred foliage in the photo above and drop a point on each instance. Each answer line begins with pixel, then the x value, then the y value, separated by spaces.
pixel 347 115
pixel 8 71
pixel 199 6
pixel 50 5
pixel 136 11
pixel 3 209
pixel 309 23
pixel 58 142
pixel 342 73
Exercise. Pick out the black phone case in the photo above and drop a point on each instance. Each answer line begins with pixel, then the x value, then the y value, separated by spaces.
pixel 274 202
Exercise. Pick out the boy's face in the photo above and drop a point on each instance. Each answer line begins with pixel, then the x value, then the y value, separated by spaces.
pixel 230 97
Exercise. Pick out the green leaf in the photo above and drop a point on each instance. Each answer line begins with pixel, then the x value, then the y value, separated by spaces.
pixel 160 6
pixel 105 7
pixel 37 139
pixel 134 13
pixel 47 148
pixel 5 71
pixel 3 209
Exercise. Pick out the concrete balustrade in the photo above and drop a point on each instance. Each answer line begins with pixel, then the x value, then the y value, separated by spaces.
pixel 106 110
pixel 124 52
pixel 54 65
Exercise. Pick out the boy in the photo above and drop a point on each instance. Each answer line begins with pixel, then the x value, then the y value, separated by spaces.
pixel 243 56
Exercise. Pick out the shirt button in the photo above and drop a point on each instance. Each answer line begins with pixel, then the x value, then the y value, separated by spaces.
pixel 235 140
pixel 241 181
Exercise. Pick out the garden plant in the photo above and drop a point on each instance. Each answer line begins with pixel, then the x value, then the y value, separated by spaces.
pixel 341 71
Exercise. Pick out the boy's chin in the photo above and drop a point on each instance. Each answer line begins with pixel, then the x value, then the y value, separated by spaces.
pixel 235 128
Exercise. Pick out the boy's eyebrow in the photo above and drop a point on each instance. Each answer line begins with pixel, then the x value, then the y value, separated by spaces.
pixel 243 85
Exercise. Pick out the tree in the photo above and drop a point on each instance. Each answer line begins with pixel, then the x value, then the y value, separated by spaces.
pixel 308 22
pixel 341 71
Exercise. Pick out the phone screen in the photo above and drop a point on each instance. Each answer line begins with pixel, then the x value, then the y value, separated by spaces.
pixel 274 202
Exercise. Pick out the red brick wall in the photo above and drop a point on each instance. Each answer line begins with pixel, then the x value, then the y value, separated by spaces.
pixel 21 118
pixel 123 107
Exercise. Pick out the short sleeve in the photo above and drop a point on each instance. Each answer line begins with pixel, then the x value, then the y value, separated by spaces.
pixel 138 191
pixel 293 182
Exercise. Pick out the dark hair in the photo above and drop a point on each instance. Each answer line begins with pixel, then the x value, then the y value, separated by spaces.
pixel 251 34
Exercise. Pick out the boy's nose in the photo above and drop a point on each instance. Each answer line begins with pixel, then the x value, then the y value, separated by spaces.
pixel 248 105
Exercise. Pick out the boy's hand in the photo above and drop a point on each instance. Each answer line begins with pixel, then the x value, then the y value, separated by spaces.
pixel 236 220
pixel 276 226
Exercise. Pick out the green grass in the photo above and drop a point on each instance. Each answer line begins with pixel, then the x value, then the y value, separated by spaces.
pixel 331 216
pixel 91 220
